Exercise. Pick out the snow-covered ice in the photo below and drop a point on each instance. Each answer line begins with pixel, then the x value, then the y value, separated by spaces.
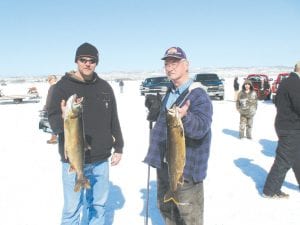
pixel 31 188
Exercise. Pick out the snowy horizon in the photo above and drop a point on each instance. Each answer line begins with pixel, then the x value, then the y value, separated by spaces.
pixel 138 75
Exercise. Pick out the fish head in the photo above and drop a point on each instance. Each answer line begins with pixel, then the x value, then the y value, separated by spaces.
pixel 74 106
pixel 173 118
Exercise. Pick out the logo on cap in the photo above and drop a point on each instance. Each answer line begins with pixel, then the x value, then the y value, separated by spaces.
pixel 174 52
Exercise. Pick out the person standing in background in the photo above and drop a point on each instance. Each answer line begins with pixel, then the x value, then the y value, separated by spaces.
pixel 287 126
pixel 236 88
pixel 52 79
pixel 246 105
pixel 121 85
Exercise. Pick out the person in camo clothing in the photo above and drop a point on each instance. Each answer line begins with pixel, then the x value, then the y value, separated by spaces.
pixel 246 105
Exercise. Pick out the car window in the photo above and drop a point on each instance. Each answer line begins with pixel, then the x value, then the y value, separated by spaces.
pixel 283 77
pixel 201 77
pixel 156 80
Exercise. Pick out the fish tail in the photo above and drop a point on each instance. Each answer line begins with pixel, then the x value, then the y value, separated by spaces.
pixel 82 183
pixel 171 196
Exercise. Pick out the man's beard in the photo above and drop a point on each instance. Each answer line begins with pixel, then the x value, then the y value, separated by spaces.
pixel 87 77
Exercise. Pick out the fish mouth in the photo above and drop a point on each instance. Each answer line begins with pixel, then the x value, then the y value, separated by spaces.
pixel 77 100
pixel 173 112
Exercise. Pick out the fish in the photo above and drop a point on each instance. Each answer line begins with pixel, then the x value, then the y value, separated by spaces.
pixel 74 145
pixel 175 154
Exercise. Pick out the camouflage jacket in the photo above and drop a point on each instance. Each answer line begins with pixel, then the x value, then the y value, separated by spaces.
pixel 246 103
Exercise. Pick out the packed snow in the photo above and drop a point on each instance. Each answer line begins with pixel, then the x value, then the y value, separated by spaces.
pixel 31 187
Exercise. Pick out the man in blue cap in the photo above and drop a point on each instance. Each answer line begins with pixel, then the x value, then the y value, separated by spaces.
pixel 195 110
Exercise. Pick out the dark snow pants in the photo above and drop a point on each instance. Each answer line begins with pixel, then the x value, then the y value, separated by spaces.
pixel 190 209
pixel 287 157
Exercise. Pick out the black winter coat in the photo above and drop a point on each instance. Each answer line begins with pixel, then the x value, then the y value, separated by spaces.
pixel 287 102
pixel 100 117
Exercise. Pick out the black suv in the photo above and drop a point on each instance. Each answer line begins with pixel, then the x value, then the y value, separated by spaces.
pixel 155 85
pixel 214 85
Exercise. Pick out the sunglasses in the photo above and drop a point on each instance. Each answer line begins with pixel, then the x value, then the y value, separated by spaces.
pixel 85 60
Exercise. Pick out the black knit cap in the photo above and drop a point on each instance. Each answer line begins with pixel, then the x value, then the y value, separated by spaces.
pixel 88 50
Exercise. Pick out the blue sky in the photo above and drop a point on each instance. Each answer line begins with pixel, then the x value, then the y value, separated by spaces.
pixel 40 37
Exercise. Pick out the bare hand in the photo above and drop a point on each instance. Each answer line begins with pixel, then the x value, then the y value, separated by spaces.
pixel 115 158
pixel 184 109
pixel 63 107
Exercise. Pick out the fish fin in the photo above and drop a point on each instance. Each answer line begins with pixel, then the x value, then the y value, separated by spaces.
pixel 82 183
pixel 87 146
pixel 181 131
pixel 66 153
pixel 171 196
pixel 71 169
pixel 181 180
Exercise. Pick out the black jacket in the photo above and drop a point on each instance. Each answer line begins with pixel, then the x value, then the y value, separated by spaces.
pixel 236 85
pixel 100 117
pixel 49 95
pixel 287 102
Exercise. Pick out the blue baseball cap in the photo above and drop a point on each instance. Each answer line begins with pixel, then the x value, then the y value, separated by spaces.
pixel 174 52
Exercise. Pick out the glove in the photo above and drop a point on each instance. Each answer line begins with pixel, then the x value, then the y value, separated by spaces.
pixel 153 103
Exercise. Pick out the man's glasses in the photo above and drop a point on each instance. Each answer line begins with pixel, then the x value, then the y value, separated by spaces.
pixel 172 64
pixel 85 60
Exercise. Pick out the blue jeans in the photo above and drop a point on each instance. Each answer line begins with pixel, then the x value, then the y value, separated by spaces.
pixel 86 207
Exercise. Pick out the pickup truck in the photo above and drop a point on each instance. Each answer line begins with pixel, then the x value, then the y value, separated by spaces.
pixel 276 83
pixel 214 85
pixel 154 85
pixel 261 85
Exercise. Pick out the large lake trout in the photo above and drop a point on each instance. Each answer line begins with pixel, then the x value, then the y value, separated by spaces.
pixel 175 154
pixel 74 140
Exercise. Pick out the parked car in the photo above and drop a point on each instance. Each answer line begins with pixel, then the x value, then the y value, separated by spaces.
pixel 155 85
pixel 214 85
pixel 261 84
pixel 276 83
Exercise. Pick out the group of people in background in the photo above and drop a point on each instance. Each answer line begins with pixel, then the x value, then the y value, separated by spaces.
pixel 287 127
pixel 103 134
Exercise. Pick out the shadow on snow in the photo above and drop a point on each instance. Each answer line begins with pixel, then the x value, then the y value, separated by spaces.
pixel 153 212
pixel 257 174
pixel 269 147
pixel 115 201
pixel 232 133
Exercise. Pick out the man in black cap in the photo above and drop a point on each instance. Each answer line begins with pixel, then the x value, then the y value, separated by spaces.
pixel 102 133
pixel 195 111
